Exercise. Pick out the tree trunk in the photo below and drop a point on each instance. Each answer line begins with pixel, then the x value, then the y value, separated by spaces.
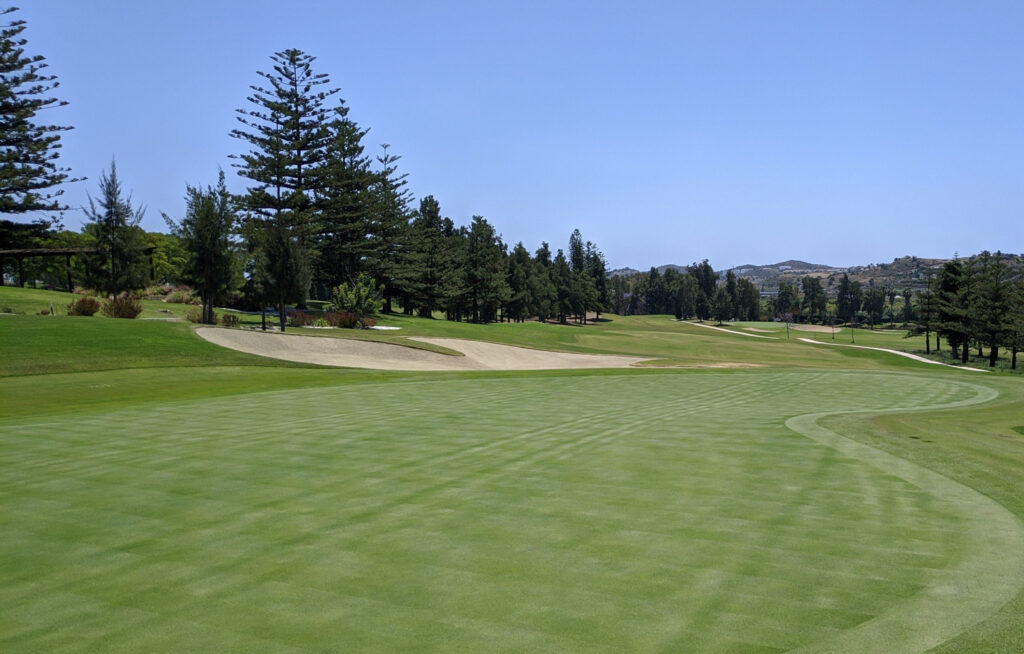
pixel 280 313
pixel 993 355
pixel 1013 361
pixel 965 353
pixel 927 340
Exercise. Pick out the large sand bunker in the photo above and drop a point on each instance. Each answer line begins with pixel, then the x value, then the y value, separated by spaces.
pixel 384 356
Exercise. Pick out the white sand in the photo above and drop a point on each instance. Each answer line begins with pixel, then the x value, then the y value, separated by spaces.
pixel 384 356
pixel 821 329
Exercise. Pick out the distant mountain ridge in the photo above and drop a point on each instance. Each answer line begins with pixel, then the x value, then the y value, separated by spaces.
pixel 792 264
pixel 903 272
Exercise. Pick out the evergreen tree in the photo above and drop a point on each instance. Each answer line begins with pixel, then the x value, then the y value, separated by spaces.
pixel 597 271
pixel 787 301
pixel 749 300
pixel 485 271
pixel 543 294
pixel 519 273
pixel 113 228
pixel 561 278
pixel 731 287
pixel 29 175
pixel 427 266
pixel 874 304
pixel 205 232
pixel 815 300
pixel 950 315
pixel 389 222
pixel 344 199
pixel 287 131
pixel 994 302
pixel 722 305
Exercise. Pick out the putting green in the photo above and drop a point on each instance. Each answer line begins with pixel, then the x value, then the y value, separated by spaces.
pixel 622 512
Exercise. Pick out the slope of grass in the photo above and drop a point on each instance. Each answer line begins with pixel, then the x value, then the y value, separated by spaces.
pixel 453 514
pixel 43 344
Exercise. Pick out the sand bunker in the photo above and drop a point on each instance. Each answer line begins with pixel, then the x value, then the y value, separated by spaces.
pixel 821 329
pixel 384 356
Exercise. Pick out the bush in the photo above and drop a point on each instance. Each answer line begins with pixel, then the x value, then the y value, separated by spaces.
pixel 300 319
pixel 361 298
pixel 125 305
pixel 196 315
pixel 83 306
pixel 182 297
pixel 368 322
pixel 44 312
pixel 230 320
pixel 321 322
pixel 341 319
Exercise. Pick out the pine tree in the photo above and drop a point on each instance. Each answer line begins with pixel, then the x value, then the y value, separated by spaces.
pixel 206 232
pixel 389 221
pixel 993 303
pixel 427 266
pixel 519 273
pixel 345 200
pixel 113 228
pixel 29 175
pixel 543 294
pixel 287 131
pixel 485 271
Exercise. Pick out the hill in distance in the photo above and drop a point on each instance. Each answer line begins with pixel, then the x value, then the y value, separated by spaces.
pixel 903 272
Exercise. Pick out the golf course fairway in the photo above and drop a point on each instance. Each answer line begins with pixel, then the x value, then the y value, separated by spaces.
pixel 711 511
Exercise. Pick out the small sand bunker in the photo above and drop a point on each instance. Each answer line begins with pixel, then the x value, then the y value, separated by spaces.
pixel 384 356
pixel 820 329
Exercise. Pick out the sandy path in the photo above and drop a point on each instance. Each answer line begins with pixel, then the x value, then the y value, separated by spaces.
pixel 384 356
pixel 897 352
pixel 727 331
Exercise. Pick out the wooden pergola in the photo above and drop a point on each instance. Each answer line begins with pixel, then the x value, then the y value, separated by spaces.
pixel 21 255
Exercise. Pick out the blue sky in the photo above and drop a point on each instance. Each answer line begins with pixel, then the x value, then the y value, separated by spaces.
pixel 743 132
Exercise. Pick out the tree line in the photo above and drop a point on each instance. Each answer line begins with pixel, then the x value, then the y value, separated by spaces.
pixel 319 212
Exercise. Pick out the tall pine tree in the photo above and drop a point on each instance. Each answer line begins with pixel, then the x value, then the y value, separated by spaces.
pixel 29 175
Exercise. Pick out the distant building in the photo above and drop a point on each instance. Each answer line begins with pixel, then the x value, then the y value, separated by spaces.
pixel 785 268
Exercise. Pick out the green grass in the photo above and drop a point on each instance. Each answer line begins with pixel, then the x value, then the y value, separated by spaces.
pixel 169 495
pixel 47 344
pixel 677 512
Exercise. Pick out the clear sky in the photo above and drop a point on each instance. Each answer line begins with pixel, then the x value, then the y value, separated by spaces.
pixel 667 132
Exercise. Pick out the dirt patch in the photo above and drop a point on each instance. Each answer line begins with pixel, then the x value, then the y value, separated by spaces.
pixel 384 356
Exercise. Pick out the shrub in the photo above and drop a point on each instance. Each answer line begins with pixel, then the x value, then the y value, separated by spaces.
pixel 321 322
pixel 368 322
pixel 301 319
pixel 182 297
pixel 361 298
pixel 7 310
pixel 230 320
pixel 83 306
pixel 124 305
pixel 341 319
pixel 196 315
